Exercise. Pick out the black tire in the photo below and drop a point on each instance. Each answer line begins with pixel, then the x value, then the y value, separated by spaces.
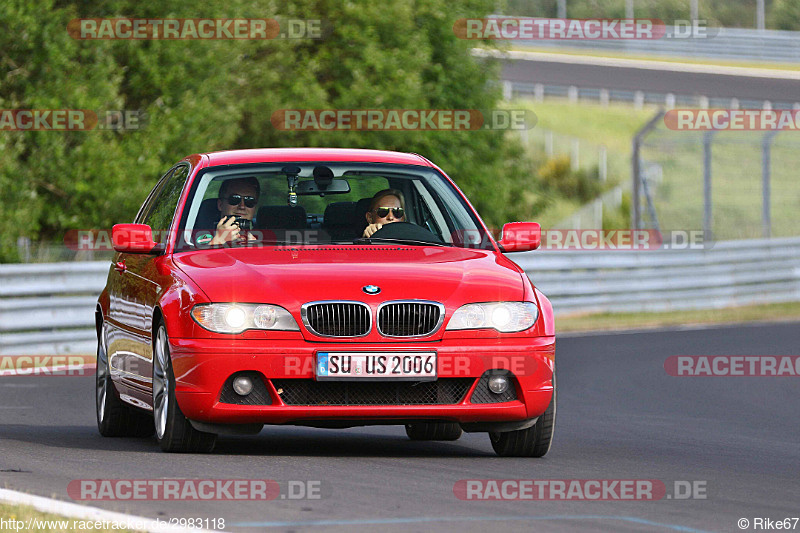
pixel 434 431
pixel 174 432
pixel 114 417
pixel 532 442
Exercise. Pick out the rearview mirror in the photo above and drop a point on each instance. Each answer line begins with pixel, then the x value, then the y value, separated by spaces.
pixel 521 236
pixel 135 239
pixel 336 186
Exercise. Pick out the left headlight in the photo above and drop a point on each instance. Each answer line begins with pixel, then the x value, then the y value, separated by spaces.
pixel 506 317
pixel 235 317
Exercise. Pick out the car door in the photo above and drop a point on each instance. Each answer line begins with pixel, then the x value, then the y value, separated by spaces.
pixel 124 323
pixel 141 283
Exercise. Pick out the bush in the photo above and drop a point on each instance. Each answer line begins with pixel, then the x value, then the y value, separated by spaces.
pixel 580 184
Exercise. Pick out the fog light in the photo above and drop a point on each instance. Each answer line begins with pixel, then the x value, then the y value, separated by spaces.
pixel 498 384
pixel 243 385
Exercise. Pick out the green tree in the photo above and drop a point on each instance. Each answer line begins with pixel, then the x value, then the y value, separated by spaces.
pixel 785 15
pixel 202 95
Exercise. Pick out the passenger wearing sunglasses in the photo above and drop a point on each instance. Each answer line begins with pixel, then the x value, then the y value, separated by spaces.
pixel 387 206
pixel 237 198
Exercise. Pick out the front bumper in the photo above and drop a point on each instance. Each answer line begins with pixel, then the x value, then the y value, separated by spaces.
pixel 202 366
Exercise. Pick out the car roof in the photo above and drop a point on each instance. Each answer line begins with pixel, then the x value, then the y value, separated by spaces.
pixel 267 155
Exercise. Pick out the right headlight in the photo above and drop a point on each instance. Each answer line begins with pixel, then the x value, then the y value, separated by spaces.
pixel 235 317
pixel 506 317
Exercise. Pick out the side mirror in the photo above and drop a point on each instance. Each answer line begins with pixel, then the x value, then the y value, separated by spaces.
pixel 135 239
pixel 521 236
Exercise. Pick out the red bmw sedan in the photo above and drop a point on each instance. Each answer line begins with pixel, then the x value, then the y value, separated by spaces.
pixel 321 287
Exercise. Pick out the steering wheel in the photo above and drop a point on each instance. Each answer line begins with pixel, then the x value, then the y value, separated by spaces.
pixel 407 231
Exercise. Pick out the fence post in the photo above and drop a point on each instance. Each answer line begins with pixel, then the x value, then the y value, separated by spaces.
pixel 572 94
pixel 766 214
pixel 538 92
pixel 638 100
pixel 508 91
pixel 636 162
pixel 603 163
pixel 24 249
pixel 575 161
pixel 597 214
pixel 707 220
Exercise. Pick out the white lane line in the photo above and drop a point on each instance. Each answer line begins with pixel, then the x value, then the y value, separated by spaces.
pixel 426 519
pixel 747 72
pixel 82 512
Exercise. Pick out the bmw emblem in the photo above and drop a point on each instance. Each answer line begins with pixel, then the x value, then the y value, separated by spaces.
pixel 371 289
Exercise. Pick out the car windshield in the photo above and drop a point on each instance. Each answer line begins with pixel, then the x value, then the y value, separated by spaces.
pixel 310 203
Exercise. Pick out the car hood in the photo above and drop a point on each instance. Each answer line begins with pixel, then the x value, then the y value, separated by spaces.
pixel 291 277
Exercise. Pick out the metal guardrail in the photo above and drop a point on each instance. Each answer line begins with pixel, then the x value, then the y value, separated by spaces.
pixel 539 91
pixel 738 44
pixel 49 308
pixel 729 274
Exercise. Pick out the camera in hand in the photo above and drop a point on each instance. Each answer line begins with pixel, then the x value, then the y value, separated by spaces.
pixel 244 224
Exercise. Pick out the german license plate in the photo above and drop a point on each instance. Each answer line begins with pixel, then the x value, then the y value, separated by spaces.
pixel 375 366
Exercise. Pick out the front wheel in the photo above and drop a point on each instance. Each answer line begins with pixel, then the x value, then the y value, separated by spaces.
pixel 532 442
pixel 174 432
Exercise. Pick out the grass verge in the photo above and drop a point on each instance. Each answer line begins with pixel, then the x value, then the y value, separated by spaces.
pixel 780 312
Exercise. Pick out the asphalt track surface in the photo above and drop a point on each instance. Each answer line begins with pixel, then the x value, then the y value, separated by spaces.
pixel 656 81
pixel 620 416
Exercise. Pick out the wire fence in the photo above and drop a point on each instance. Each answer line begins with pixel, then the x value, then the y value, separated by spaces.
pixel 733 184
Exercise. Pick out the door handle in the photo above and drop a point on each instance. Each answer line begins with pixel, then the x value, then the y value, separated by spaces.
pixel 119 266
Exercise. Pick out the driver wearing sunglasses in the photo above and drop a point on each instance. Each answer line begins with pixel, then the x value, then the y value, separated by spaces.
pixel 387 206
pixel 237 198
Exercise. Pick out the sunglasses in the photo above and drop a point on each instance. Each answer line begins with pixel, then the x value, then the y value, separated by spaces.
pixel 236 199
pixel 383 212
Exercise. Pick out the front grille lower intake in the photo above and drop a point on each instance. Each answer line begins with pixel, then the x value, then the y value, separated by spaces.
pixel 409 318
pixel 337 319
pixel 444 391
